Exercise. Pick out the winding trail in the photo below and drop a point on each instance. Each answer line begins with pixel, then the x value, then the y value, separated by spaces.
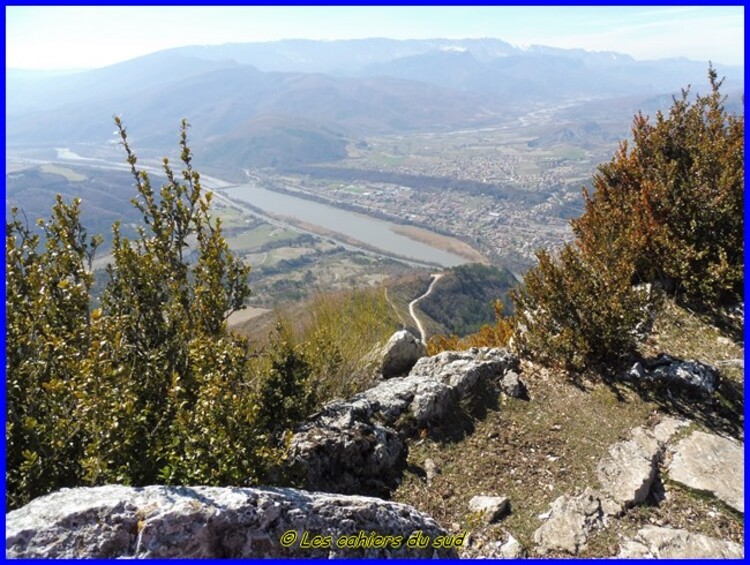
pixel 423 335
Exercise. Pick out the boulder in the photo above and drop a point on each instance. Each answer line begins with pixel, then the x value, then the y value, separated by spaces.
pixel 629 469
pixel 511 549
pixel 400 354
pixel 713 464
pixel 490 508
pixel 571 520
pixel 431 470
pixel 692 375
pixel 669 543
pixel 213 522
pixel 462 370
pixel 512 385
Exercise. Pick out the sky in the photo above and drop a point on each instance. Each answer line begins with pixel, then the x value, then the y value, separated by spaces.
pixel 71 37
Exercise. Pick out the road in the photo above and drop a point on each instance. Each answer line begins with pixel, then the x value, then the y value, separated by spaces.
pixel 413 303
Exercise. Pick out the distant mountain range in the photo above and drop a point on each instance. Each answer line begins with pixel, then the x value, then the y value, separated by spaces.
pixel 300 101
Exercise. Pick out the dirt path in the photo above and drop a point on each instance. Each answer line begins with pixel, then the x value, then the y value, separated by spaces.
pixel 423 335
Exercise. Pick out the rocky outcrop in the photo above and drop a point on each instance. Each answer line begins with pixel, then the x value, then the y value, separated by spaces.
pixel 626 476
pixel 668 543
pixel 692 375
pixel 713 464
pixel 400 354
pixel 630 467
pixel 571 521
pixel 213 522
pixel 462 370
pixel 354 446
pixel 343 450
pixel 668 427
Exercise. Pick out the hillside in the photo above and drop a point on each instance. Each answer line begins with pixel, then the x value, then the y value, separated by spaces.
pixel 105 195
pixel 463 300
pixel 541 453
pixel 270 141
pixel 534 451
pixel 460 302
pixel 232 93
pixel 155 91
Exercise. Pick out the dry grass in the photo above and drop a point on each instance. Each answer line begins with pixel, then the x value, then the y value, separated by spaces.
pixel 337 332
pixel 444 242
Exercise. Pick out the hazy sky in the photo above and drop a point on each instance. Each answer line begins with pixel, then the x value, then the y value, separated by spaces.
pixel 52 37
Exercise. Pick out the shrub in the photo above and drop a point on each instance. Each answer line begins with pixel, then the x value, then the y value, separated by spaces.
pixel 673 204
pixel 573 311
pixel 150 387
pixel 668 211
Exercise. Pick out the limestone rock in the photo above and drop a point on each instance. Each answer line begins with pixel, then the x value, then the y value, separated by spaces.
pixel 208 522
pixel 422 399
pixel 711 463
pixel 689 374
pixel 491 508
pixel 353 446
pixel 511 549
pixel 571 520
pixel 629 469
pixel 668 543
pixel 431 470
pixel 492 549
pixel 512 385
pixel 400 354
pixel 637 371
pixel 462 370
pixel 668 427
pixel 343 451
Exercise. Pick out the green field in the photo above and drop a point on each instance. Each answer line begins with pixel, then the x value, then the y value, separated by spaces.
pixel 230 217
pixel 255 238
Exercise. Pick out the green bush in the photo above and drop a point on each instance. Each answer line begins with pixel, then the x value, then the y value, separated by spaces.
pixel 150 387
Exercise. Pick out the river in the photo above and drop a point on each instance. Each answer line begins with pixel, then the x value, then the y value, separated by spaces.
pixel 370 231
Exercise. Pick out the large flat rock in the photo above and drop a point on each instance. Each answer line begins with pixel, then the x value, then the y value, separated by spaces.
pixel 669 543
pixel 711 463
pixel 213 522
pixel 629 469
